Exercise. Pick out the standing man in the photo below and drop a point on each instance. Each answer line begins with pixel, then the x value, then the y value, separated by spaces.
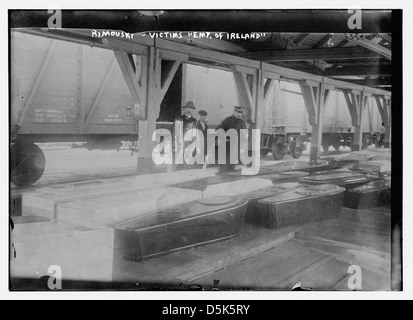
pixel 202 126
pixel 237 122
pixel 187 119
pixel 182 124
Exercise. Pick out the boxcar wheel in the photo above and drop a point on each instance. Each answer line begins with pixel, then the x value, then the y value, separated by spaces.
pixel 295 151
pixel 27 163
pixel 277 149
pixel 336 144
pixel 325 146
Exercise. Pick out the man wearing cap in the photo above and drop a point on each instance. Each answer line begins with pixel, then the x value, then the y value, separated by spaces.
pixel 236 121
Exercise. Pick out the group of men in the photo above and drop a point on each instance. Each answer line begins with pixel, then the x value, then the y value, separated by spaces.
pixel 235 121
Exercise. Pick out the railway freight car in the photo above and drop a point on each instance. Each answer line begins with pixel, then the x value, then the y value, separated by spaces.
pixel 286 128
pixel 65 92
pixel 62 91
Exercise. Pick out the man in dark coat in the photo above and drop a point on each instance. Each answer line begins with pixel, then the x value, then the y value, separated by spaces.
pixel 187 119
pixel 237 122
pixel 184 122
pixel 202 126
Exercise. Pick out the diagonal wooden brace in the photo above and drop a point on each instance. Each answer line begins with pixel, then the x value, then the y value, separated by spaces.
pixel 247 93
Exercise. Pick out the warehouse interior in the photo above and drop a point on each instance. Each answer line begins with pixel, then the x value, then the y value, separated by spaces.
pixel 318 221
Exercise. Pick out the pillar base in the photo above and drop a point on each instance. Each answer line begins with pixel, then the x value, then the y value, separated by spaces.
pixel 314 154
pixel 356 147
pixel 145 166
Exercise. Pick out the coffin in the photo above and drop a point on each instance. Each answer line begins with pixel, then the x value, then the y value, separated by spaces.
pixel 252 214
pixel 373 167
pixel 288 176
pixel 45 201
pixel 373 194
pixel 200 222
pixel 112 209
pixel 302 206
pixel 202 184
pixel 290 166
pixel 38 243
pixel 344 179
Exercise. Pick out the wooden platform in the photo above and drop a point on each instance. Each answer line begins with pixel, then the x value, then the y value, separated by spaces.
pixel 317 254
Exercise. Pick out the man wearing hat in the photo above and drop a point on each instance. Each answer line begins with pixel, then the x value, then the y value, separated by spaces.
pixel 188 121
pixel 237 122
pixel 183 123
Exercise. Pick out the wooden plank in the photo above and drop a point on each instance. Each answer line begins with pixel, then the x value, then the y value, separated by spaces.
pixel 245 95
pixel 361 70
pixel 366 260
pixel 171 55
pixel 271 75
pixel 37 82
pixel 317 131
pixel 267 87
pixel 127 46
pixel 213 44
pixel 265 270
pixel 101 90
pixel 370 281
pixel 290 73
pixel 375 47
pixel 131 80
pixel 300 38
pixel 309 102
pixel 382 112
pixel 358 237
pixel 322 275
pixel 205 54
pixel 352 108
pixel 322 41
pixel 345 53
pixel 385 37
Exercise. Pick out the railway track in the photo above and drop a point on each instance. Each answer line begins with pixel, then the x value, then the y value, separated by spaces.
pixel 73 177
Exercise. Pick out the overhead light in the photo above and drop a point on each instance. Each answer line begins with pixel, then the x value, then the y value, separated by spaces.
pixel 330 42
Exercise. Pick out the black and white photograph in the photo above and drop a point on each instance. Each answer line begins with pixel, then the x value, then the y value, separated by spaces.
pixel 205 150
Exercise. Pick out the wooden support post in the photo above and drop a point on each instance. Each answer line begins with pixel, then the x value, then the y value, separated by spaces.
pixel 356 102
pixel 315 99
pixel 387 135
pixel 247 95
pixel 384 106
pixel 260 101
pixel 148 126
pixel 135 89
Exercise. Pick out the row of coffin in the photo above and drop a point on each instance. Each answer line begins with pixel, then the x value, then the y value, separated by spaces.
pixel 79 227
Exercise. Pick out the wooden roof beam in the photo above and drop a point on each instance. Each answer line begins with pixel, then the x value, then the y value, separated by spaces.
pixel 314 54
pixel 322 41
pixel 300 38
pixel 366 70
pixel 375 47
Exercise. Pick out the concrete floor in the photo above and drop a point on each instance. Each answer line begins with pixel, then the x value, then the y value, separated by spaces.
pixel 285 256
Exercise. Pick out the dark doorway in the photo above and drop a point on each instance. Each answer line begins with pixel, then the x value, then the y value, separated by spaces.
pixel 171 104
